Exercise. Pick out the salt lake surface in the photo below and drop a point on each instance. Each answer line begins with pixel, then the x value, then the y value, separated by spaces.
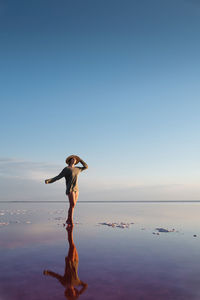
pixel 114 251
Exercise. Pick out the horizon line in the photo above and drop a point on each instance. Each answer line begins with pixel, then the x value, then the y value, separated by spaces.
pixel 101 201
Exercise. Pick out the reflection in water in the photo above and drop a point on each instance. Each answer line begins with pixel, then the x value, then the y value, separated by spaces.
pixel 70 278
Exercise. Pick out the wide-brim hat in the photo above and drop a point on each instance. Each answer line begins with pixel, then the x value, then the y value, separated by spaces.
pixel 75 156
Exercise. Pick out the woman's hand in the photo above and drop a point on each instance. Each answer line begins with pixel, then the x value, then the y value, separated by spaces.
pixel 85 166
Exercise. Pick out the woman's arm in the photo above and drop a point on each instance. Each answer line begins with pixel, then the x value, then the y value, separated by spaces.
pixel 53 274
pixel 59 176
pixel 84 287
pixel 85 166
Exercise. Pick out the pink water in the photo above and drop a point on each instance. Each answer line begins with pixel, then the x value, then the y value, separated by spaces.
pixel 133 262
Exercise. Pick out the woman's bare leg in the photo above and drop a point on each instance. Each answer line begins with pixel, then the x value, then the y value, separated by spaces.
pixel 73 197
pixel 77 193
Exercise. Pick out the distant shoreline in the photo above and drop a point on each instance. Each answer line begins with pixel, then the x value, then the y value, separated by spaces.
pixel 133 201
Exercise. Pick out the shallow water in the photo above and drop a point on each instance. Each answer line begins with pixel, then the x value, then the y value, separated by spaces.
pixel 133 261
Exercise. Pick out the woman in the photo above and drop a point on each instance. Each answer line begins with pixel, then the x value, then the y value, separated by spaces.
pixel 71 176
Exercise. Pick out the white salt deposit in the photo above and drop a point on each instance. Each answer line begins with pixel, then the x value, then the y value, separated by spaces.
pixel 3 223
pixel 117 224
pixel 59 218
pixel 164 230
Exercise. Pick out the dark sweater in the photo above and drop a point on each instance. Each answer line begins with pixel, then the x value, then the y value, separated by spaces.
pixel 71 177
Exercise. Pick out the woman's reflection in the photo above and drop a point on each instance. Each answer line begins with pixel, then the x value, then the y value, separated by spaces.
pixel 70 279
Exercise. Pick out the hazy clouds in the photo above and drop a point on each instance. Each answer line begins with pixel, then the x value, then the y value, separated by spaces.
pixel 24 180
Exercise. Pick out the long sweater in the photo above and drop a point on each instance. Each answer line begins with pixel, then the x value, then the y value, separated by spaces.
pixel 71 177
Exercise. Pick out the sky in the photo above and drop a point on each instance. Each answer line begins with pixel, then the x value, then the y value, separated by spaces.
pixel 115 82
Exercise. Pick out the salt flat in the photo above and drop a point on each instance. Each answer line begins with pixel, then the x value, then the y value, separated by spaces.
pixel 120 251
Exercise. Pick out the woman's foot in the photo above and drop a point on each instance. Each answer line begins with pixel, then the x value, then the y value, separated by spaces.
pixel 69 225
pixel 69 222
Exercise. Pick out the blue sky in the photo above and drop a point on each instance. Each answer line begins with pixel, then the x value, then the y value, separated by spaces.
pixel 115 82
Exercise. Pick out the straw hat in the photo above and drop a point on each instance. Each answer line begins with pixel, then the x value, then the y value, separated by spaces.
pixel 75 156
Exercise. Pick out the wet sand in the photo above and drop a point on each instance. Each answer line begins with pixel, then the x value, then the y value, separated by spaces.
pixel 117 250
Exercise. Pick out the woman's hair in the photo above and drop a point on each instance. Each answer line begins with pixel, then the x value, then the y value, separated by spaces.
pixel 70 160
pixel 70 295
